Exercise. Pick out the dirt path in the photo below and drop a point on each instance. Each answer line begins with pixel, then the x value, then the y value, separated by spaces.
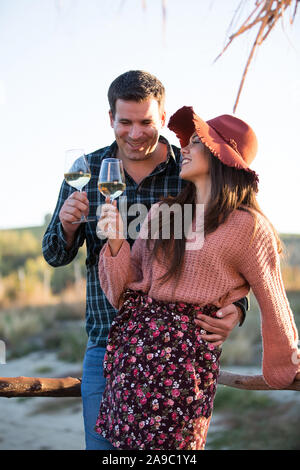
pixel 40 423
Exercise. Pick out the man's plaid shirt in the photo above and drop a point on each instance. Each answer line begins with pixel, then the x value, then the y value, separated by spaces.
pixel 163 181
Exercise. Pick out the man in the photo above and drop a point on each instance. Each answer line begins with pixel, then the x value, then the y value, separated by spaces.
pixel 151 166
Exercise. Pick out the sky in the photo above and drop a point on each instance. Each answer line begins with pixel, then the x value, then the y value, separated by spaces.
pixel 58 58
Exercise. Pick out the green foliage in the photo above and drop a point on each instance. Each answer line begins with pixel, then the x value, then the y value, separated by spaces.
pixel 25 275
pixel 61 278
pixel 44 370
pixel 57 328
pixel 16 248
pixel 229 398
pixel 73 345
pixel 251 420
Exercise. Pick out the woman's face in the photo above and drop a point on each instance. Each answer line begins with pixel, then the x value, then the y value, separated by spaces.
pixel 195 163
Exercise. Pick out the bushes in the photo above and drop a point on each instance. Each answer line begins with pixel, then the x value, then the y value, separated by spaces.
pixel 44 328
pixel 253 420
pixel 27 279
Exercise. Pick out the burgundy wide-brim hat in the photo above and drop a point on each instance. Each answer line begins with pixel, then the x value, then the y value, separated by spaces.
pixel 230 139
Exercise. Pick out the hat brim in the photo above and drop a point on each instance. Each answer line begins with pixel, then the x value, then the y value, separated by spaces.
pixel 185 122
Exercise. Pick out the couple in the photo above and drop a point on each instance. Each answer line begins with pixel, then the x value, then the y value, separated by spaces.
pixel 160 362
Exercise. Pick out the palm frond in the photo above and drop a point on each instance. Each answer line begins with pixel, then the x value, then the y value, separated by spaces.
pixel 266 14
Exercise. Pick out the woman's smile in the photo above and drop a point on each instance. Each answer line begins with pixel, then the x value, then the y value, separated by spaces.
pixel 185 160
pixel 195 160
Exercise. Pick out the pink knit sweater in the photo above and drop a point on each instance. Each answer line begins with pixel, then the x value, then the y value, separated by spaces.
pixel 219 273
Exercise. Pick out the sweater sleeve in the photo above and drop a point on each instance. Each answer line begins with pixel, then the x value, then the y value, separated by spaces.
pixel 259 263
pixel 117 272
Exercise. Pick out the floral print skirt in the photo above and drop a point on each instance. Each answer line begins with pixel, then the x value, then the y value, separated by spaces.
pixel 160 374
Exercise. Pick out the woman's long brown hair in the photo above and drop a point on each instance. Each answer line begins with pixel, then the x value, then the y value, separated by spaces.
pixel 231 189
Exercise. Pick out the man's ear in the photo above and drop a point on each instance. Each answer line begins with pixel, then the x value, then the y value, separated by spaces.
pixel 111 118
pixel 163 118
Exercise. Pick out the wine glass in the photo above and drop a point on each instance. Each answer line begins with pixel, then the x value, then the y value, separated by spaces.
pixel 77 173
pixel 111 182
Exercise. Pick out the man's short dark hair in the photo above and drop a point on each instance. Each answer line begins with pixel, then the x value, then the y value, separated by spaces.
pixel 135 85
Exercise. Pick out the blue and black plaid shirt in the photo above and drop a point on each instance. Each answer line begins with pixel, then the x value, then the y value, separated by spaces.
pixel 162 181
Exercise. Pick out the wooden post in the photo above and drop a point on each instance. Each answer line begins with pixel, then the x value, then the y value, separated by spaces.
pixel 39 387
pixel 251 382
pixel 71 387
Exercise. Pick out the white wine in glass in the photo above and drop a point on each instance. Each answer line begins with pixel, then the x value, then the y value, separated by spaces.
pixel 77 179
pixel 77 174
pixel 111 182
pixel 112 190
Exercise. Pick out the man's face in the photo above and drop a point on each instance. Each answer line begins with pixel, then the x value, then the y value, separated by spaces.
pixel 137 127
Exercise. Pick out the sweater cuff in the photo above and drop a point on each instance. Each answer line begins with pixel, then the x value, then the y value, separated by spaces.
pixel 243 305
pixel 123 250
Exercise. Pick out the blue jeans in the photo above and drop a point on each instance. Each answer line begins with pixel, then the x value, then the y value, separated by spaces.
pixel 92 388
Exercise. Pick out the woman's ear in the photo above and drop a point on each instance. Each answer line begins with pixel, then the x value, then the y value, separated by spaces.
pixel 163 118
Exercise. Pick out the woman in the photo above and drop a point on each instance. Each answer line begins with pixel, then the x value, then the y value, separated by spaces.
pixel 161 374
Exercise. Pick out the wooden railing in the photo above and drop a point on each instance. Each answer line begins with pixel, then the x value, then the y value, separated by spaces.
pixel 71 386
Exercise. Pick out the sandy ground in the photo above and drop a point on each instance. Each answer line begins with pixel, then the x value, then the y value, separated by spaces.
pixel 41 422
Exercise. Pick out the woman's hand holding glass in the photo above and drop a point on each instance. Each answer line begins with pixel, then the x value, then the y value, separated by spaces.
pixel 110 225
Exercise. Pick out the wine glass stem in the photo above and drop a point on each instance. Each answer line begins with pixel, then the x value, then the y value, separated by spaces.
pixel 109 225
pixel 83 219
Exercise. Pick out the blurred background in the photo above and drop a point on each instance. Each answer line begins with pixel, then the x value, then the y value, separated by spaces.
pixel 58 60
